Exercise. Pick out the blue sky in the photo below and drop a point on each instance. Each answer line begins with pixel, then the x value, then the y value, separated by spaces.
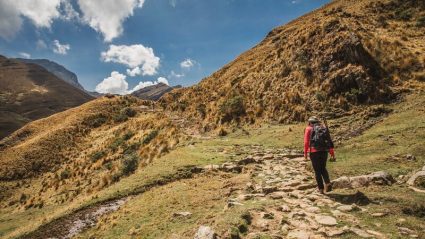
pixel 175 41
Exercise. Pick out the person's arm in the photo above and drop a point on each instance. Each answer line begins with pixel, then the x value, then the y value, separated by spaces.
pixel 307 133
pixel 331 145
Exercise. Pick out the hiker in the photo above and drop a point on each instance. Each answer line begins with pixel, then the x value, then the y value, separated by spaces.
pixel 318 142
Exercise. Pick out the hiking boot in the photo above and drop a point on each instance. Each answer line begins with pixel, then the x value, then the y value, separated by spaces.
pixel 321 191
pixel 328 187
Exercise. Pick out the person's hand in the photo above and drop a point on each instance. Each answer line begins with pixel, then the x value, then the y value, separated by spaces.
pixel 305 158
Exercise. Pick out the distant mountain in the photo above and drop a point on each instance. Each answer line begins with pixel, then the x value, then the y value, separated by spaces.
pixel 58 70
pixel 29 92
pixel 154 92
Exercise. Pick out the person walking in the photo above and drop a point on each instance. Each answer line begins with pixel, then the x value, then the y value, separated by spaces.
pixel 317 144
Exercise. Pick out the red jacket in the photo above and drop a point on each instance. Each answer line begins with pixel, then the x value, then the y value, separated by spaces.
pixel 307 148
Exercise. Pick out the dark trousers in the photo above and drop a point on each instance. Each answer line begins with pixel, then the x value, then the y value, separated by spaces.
pixel 318 159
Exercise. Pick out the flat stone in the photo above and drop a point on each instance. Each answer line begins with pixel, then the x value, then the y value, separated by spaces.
pixel 313 209
pixel 299 235
pixel 325 220
pixel 205 232
pixel 361 233
pixel 333 232
pixel 277 195
pixel 375 233
pixel 346 208
pixel 268 156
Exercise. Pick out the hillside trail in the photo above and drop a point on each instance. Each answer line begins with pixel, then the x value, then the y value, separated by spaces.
pixel 293 207
pixel 281 181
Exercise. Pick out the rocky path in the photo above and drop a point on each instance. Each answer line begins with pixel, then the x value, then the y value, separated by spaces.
pixel 293 207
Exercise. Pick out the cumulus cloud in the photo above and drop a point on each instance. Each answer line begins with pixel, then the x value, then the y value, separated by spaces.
pixel 187 64
pixel 40 12
pixel 59 48
pixel 139 58
pixel 107 16
pixel 24 55
pixel 115 84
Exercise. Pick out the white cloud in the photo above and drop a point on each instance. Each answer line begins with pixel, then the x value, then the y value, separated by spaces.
pixel 115 84
pixel 68 11
pixel 59 48
pixel 107 16
pixel 134 72
pixel 40 12
pixel 162 80
pixel 24 55
pixel 140 59
pixel 40 44
pixel 175 75
pixel 143 84
pixel 187 64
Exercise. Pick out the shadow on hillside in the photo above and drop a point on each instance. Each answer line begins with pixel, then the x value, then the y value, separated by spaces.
pixel 357 198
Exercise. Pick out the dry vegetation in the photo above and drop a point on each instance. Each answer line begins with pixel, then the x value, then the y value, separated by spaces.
pixel 357 54
pixel 80 151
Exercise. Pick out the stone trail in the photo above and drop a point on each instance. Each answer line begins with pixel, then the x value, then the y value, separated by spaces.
pixel 283 178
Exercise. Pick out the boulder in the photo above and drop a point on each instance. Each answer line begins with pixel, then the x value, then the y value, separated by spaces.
pixel 205 232
pixel 376 178
pixel 412 180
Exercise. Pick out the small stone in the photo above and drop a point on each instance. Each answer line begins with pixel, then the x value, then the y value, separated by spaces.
pixel 405 231
pixel 269 189
pixel 379 214
pixel 313 209
pixel 284 208
pixel 361 233
pixel 334 232
pixel 299 235
pixel 205 232
pixel 375 233
pixel 410 157
pixel 277 195
pixel 182 214
pixel 325 220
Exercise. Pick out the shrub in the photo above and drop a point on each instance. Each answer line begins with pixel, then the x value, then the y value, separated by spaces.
pixel 117 143
pixel 132 148
pixel 320 96
pixel 128 135
pixel 202 110
pixel 405 15
pixel 420 22
pixel 95 121
pixel 65 174
pixel 148 138
pixel 97 155
pixel 130 112
pixel 129 164
pixel 232 108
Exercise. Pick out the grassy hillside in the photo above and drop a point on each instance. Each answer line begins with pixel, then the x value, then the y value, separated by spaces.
pixel 336 60
pixel 29 92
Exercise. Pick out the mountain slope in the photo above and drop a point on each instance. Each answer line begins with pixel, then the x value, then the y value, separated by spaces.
pixel 153 92
pixel 56 69
pixel 29 92
pixel 336 60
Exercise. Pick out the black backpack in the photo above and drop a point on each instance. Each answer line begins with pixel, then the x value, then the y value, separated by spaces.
pixel 320 138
